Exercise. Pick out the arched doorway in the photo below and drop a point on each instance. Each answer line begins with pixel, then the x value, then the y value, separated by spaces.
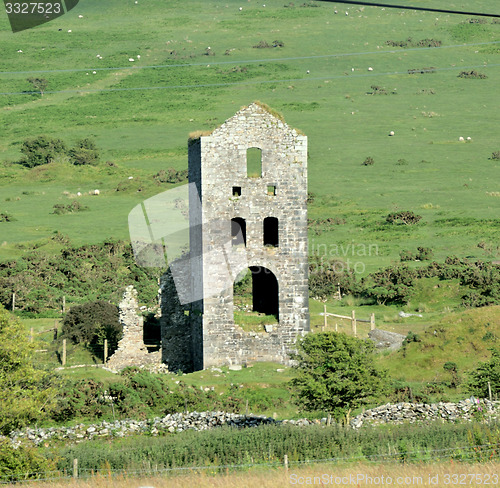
pixel 256 298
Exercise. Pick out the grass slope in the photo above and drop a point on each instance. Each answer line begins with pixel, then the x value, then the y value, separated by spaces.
pixel 141 117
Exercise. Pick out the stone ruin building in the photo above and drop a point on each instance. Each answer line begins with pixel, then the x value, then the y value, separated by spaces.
pixel 250 177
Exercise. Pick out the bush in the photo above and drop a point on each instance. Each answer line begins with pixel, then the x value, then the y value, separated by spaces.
pixel 84 152
pixel 368 161
pixel 74 206
pixel 390 285
pixel 5 217
pixel 472 74
pixel 495 155
pixel 405 217
pixel 22 463
pixel 424 253
pixel 406 255
pixel 41 150
pixel 171 175
pixel 91 323
pixel 488 371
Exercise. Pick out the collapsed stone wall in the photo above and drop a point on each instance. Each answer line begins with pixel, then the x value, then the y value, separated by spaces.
pixel 131 349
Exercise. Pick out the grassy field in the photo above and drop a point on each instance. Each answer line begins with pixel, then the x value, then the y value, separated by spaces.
pixel 140 113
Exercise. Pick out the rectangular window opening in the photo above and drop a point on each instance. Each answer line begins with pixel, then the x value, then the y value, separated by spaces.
pixel 271 190
pixel 236 191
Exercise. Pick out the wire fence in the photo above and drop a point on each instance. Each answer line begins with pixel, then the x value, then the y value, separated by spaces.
pixel 464 454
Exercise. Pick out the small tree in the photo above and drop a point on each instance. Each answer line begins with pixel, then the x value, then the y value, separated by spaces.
pixel 335 373
pixel 91 323
pixel 38 84
pixel 488 371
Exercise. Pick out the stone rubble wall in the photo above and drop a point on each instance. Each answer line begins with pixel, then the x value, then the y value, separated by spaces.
pixel 131 350
pixel 420 412
pixel 176 422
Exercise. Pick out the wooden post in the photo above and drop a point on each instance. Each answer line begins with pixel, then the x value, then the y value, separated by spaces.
pixel 13 301
pixel 326 320
pixel 64 303
pixel 285 462
pixel 372 321
pixel 336 327
pixel 246 408
pixel 31 334
pixel 55 330
pixel 353 323
pixel 329 419
pixel 489 391
pixel 105 350
pixel 75 468
pixel 64 353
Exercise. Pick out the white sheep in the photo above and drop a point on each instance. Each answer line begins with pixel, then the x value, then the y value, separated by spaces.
pixel 79 194
pixel 370 69
pixel 131 59
pixel 461 139
pixel 391 133
pixel 96 192
pixel 469 138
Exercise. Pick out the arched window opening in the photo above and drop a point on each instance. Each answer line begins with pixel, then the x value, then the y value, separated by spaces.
pixel 256 299
pixel 271 232
pixel 238 231
pixel 254 162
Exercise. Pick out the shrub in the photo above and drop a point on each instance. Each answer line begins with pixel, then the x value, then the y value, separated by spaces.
pixel 74 206
pixel 390 285
pixel 406 217
pixel 368 161
pixel 406 255
pixel 41 150
pixel 495 155
pixel 424 253
pixel 472 74
pixel 262 45
pixel 486 372
pixel 84 152
pixel 22 463
pixel 38 84
pixel 5 217
pixel 91 323
pixel 171 175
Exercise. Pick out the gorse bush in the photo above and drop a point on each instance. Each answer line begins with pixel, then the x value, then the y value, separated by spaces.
pixel 44 150
pixel 41 150
pixel 406 217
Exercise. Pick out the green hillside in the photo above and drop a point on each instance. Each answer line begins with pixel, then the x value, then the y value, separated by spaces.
pixel 140 114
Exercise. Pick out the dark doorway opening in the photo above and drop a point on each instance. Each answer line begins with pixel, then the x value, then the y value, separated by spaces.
pixel 265 291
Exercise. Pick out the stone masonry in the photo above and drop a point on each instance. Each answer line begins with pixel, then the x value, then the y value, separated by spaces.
pixel 131 350
pixel 270 210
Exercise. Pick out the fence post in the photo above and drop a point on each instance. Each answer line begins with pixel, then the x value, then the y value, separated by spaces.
pixel 336 327
pixel 246 407
pixel 31 334
pixel 372 321
pixel 285 461
pixel 13 301
pixel 489 391
pixel 64 303
pixel 353 323
pixel 326 321
pixel 64 353
pixel 75 468
pixel 105 350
